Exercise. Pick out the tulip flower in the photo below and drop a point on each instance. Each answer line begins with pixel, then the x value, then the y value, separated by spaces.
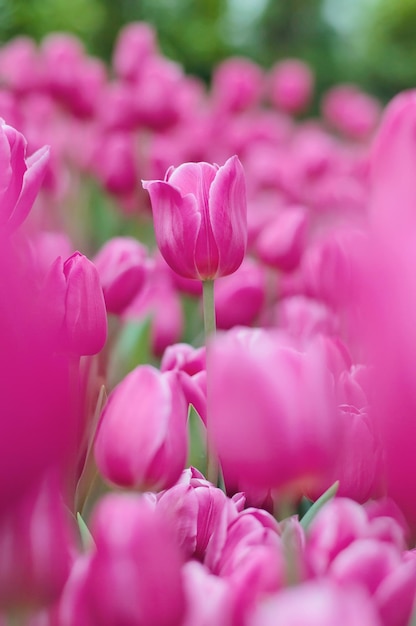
pixel 272 416
pixel 36 548
pixel 316 603
pixel 291 85
pixel 200 218
pixel 142 439
pixel 134 575
pixel 74 296
pixel 121 267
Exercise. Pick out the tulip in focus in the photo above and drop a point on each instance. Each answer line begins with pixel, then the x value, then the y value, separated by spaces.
pixel 200 218
pixel 141 439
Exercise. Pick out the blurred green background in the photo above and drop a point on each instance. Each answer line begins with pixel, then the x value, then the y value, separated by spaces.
pixel 370 42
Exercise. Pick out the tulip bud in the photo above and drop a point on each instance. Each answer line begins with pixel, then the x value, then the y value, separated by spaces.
pixel 134 575
pixel 291 85
pixel 240 297
pixel 237 85
pixel 121 266
pixel 85 317
pixel 200 218
pixel 141 439
pixel 351 111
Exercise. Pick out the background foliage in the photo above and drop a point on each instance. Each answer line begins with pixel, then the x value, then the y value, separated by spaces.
pixel 371 42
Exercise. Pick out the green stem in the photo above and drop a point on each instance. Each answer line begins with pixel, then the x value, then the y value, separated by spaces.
pixel 210 328
pixel 209 308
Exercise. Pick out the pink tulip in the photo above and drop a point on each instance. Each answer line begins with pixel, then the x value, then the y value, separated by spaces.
pixel 194 511
pixel 141 439
pixel 249 554
pixel 20 69
pixel 134 575
pixel 237 84
pixel 271 410
pixel 36 547
pixel 190 365
pixel 35 383
pixel 73 292
pixel 239 298
pixel 283 239
pixel 291 85
pixel 70 76
pixel 136 42
pixel 200 220
pixel 316 603
pixel 209 599
pixel 387 298
pixel 20 177
pixel 114 162
pixel 351 111
pixel 121 267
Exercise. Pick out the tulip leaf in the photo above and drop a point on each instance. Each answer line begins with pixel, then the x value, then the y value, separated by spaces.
pixel 197 456
pixel 318 504
pixel 86 537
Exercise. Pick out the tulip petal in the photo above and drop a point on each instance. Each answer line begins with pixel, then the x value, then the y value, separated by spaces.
pixel 31 183
pixel 15 170
pixel 177 223
pixel 228 215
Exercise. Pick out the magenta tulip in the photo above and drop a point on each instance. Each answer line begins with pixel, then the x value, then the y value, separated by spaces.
pixel 142 438
pixel 200 218
pixel 271 411
pixel 122 270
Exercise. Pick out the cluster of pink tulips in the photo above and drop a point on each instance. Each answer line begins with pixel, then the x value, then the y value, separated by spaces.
pixel 208 404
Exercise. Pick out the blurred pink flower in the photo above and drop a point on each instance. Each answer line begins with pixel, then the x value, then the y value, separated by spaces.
pixel 271 411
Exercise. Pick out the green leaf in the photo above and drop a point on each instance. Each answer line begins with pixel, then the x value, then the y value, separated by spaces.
pixel 317 506
pixel 197 456
pixel 86 537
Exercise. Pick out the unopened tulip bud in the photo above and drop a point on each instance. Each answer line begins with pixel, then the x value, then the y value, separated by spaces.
pixel 85 317
pixel 121 267
pixel 291 85
pixel 200 218
pixel 142 436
